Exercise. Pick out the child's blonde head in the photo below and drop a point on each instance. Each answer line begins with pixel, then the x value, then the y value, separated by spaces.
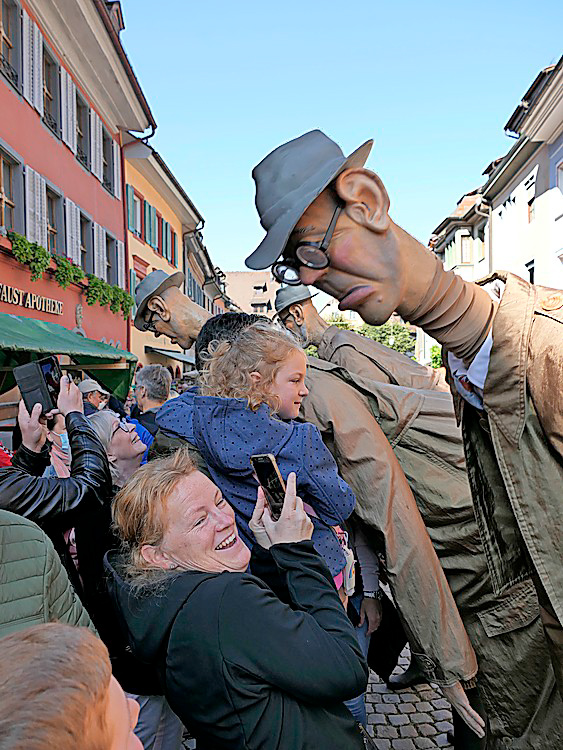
pixel 228 368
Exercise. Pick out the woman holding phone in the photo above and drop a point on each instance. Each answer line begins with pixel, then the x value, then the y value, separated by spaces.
pixel 240 667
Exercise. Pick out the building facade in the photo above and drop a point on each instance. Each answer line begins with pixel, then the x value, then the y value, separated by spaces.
pixel 514 221
pixel 253 291
pixel 67 93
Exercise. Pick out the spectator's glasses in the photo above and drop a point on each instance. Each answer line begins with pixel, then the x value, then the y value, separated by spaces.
pixel 122 425
pixel 308 254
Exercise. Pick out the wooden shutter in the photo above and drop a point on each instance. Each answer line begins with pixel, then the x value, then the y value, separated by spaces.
pixel 120 255
pixel 96 146
pixel 32 63
pixel 35 207
pixel 147 232
pixel 100 267
pixel 116 153
pixel 174 249
pixel 132 285
pixel 154 229
pixel 72 219
pixel 68 110
pixel 30 220
pixel 129 197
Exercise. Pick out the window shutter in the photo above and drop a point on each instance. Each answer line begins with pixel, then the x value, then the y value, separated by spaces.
pixel 116 169
pixel 120 264
pixel 93 161
pixel 132 285
pixel 76 232
pixel 100 268
pixel 30 220
pixel 41 209
pixel 68 110
pixel 96 145
pixel 27 57
pixel 147 233
pixel 154 229
pixel 72 219
pixel 164 239
pixel 38 70
pixel 174 249
pixel 169 242
pixel 129 195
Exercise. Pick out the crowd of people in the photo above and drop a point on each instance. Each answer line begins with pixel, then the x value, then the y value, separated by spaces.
pixel 146 588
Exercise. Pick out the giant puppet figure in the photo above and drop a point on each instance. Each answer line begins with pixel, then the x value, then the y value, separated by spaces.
pixel 522 703
pixel 327 225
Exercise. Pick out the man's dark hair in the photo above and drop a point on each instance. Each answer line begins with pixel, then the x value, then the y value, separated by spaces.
pixel 224 327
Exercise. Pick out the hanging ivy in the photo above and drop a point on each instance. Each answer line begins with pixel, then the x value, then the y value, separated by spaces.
pixel 30 254
pixel 104 294
pixel 67 273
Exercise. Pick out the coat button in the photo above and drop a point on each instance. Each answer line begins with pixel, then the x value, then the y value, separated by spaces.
pixel 553 302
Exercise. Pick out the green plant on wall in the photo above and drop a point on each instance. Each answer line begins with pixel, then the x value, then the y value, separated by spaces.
pixel 104 294
pixel 67 273
pixel 30 254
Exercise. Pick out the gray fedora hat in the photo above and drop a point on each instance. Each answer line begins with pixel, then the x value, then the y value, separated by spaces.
pixel 290 295
pixel 151 286
pixel 288 180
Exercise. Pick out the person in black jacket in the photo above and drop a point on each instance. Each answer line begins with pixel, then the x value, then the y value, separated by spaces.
pixel 75 512
pixel 241 668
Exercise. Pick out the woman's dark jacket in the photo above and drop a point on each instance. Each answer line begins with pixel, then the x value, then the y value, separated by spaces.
pixel 82 501
pixel 242 669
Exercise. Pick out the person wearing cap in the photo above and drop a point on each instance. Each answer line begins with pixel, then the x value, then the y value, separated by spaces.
pixel 327 225
pixel 93 395
pixel 357 353
pixel 160 302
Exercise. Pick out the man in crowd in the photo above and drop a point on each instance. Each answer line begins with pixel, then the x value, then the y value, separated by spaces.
pixel 328 225
pixel 93 395
pixel 57 691
pixel 152 389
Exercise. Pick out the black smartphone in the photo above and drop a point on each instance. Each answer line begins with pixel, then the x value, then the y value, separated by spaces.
pixel 270 479
pixel 39 383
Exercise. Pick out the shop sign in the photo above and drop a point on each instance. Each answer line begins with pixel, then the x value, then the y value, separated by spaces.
pixel 13 296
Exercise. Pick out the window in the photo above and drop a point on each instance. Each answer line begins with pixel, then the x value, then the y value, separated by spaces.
pixel 259 289
pixel 82 131
pixel 158 247
pixel 52 240
pixel 137 214
pixel 7 200
pixel 560 176
pixel 530 267
pixel 111 269
pixel 50 92
pixel 86 244
pixel 531 210
pixel 8 40
pixel 107 161
pixel 466 256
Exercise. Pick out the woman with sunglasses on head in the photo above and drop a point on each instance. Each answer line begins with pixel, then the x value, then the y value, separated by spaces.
pixel 75 512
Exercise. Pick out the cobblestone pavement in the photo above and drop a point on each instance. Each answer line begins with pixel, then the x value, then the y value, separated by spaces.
pixel 413 719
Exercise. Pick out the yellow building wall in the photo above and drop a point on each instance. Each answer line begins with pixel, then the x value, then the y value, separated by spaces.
pixel 136 246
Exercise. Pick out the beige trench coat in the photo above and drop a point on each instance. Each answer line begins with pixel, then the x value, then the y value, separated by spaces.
pixel 514 448
pixel 359 420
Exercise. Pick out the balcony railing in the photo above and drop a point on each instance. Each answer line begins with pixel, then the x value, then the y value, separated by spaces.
pixel 51 122
pixel 9 71
pixel 81 156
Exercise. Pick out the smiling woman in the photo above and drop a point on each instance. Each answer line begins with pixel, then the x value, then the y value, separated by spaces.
pixel 239 667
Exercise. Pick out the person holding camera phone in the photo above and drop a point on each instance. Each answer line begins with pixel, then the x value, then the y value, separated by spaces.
pixel 240 667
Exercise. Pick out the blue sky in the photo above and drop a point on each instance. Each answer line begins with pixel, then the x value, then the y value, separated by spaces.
pixel 433 83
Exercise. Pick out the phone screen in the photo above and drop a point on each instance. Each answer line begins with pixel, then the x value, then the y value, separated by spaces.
pixel 52 377
pixel 271 482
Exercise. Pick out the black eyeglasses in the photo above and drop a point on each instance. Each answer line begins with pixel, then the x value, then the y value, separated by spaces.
pixel 308 254
pixel 148 325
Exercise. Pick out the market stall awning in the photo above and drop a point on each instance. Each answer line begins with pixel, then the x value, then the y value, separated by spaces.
pixel 173 354
pixel 24 340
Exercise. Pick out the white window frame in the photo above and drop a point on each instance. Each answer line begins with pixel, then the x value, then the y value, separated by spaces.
pixel 32 63
pixel 35 207
pixel 68 111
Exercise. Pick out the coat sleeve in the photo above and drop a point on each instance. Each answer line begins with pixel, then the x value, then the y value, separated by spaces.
pixel 308 650
pixel 385 502
pixel 43 499
pixel 63 605
pixel 329 495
